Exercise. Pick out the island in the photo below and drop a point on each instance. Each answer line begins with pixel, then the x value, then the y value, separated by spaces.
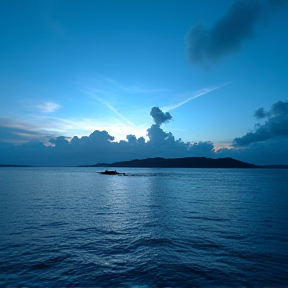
pixel 187 162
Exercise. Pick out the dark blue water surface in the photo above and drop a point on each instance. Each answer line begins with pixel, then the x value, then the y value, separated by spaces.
pixel 72 227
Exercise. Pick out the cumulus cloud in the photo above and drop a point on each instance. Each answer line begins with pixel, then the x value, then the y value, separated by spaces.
pixel 159 116
pixel 266 145
pixel 275 126
pixel 158 136
pixel 101 147
pixel 271 151
pixel 202 148
pixel 206 46
pixel 260 113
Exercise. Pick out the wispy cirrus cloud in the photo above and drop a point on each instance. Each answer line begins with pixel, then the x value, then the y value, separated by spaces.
pixel 85 126
pixel 48 107
pixel 19 130
pixel 97 95
pixel 194 96
pixel 134 88
pixel 112 117
pixel 42 127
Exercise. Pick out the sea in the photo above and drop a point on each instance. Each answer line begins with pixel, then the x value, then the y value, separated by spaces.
pixel 73 227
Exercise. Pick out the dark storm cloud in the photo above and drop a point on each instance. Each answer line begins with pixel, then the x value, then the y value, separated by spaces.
pixel 275 126
pixel 159 116
pixel 227 35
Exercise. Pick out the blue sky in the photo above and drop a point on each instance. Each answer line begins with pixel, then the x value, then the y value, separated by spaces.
pixel 69 68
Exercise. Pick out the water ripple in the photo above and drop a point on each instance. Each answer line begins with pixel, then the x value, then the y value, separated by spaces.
pixel 159 228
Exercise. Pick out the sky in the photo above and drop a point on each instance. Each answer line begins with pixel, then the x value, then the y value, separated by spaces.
pixel 85 82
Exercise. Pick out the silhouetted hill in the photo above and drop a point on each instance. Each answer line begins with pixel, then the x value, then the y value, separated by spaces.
pixel 12 165
pixel 187 162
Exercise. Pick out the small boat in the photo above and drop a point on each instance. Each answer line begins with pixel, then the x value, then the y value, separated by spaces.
pixel 109 172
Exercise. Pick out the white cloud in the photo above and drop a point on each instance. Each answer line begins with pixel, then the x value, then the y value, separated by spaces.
pixel 194 95
pixel 48 107
pixel 85 126
pixel 134 88
pixel 44 125
pixel 95 96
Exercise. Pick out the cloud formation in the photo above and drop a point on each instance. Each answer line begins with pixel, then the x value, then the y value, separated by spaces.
pixel 260 113
pixel 207 46
pixel 94 93
pixel 275 126
pixel 268 144
pixel 159 116
pixel 20 131
pixel 48 107
pixel 194 96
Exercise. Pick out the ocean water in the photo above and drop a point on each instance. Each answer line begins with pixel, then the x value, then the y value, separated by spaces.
pixel 72 227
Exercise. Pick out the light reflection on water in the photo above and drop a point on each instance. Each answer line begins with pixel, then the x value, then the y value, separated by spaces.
pixel 154 227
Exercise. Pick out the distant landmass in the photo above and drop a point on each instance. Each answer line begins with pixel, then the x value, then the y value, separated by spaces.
pixel 12 165
pixel 187 162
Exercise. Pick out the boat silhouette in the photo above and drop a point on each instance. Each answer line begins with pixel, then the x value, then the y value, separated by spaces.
pixel 112 172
